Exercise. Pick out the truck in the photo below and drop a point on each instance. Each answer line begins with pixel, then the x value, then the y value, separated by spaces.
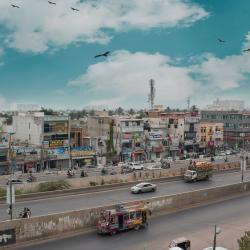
pixel 198 171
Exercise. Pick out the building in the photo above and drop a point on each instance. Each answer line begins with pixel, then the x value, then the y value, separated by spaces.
pixel 4 152
pixel 155 132
pixel 227 105
pixel 236 126
pixel 210 135
pixel 191 122
pixel 130 133
pixel 49 133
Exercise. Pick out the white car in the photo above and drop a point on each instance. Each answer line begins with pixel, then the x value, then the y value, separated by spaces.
pixel 135 166
pixel 143 188
pixel 154 167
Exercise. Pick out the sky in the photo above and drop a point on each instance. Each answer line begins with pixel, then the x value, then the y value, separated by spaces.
pixel 47 52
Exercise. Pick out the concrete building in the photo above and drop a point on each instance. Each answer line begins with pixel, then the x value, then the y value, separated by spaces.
pixel 236 126
pixel 155 133
pixel 227 105
pixel 191 122
pixel 50 133
pixel 131 139
pixel 210 135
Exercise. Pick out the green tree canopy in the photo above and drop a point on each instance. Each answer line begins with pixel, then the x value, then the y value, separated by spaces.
pixel 244 241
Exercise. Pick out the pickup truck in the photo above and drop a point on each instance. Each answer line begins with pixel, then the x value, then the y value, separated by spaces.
pixel 198 171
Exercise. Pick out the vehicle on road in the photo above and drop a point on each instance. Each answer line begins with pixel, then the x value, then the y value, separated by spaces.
pixel 143 187
pixel 31 178
pixel 135 166
pixel 15 181
pixel 198 171
pixel 122 218
pixel 181 243
pixel 154 167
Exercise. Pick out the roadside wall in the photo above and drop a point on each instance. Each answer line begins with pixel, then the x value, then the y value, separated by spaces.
pixel 55 224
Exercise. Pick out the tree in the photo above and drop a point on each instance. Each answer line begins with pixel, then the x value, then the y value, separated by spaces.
pixel 49 111
pixel 92 112
pixel 168 109
pixel 131 111
pixel 119 111
pixel 111 112
pixel 244 241
pixel 141 114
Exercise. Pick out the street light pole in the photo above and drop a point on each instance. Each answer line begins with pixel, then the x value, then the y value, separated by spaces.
pixel 69 142
pixel 215 233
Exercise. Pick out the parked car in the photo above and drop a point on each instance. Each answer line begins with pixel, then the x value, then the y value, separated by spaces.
pixel 154 167
pixel 143 188
pixel 15 181
pixel 135 166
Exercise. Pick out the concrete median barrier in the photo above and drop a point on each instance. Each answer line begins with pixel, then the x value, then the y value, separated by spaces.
pixel 56 225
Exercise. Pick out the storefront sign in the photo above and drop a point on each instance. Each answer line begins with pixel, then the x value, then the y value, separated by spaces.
pixel 56 143
pixel 155 135
pixel 4 139
pixel 82 153
pixel 127 136
pixel 58 153
pixel 7 237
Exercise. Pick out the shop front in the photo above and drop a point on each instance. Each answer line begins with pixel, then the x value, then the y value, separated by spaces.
pixel 83 156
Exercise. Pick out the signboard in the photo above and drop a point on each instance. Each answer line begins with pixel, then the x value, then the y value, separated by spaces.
pixel 56 143
pixel 82 153
pixel 155 135
pixel 7 237
pixel 4 139
pixel 58 153
pixel 127 136
pixel 10 190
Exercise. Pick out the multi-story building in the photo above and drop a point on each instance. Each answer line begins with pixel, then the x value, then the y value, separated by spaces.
pixel 131 137
pixel 210 135
pixel 236 125
pixel 155 132
pixel 50 133
pixel 4 152
pixel 227 105
pixel 191 143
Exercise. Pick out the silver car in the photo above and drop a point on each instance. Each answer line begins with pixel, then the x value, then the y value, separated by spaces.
pixel 143 188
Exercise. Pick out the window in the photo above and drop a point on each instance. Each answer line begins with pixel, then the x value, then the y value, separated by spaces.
pixel 175 126
pixel 132 215
pixel 169 126
pixel 29 125
pixel 211 138
pixel 29 137
pixel 126 124
pixel 138 214
pixel 158 155
pixel 126 216
pixel 138 123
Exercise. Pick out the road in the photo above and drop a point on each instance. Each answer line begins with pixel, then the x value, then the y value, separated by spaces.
pixel 116 196
pixel 196 224
pixel 62 175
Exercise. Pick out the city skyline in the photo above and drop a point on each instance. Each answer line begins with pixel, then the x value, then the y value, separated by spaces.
pixel 50 60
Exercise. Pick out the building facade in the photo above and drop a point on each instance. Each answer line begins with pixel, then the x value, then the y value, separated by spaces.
pixel 236 131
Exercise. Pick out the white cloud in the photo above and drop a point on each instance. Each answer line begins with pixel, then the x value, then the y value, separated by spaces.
pixel 225 73
pixel 37 26
pixel 124 76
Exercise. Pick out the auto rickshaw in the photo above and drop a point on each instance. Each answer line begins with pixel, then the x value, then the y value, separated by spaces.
pixel 182 243
pixel 122 218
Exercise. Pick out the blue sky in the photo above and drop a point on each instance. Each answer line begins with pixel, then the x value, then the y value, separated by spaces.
pixel 47 52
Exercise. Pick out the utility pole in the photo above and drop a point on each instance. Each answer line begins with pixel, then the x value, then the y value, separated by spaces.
pixel 188 103
pixel 242 157
pixel 215 233
pixel 69 142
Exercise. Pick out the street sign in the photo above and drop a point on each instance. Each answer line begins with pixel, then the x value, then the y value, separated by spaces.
pixel 10 190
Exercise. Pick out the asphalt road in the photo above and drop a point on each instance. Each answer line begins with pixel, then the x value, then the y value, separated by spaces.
pixel 116 196
pixel 196 224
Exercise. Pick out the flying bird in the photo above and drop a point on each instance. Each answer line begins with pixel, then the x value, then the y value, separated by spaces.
pixel 246 50
pixel 15 6
pixel 104 54
pixel 221 41
pixel 74 9
pixel 51 2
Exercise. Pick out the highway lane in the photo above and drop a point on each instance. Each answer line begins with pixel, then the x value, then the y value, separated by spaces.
pixel 80 201
pixel 197 224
